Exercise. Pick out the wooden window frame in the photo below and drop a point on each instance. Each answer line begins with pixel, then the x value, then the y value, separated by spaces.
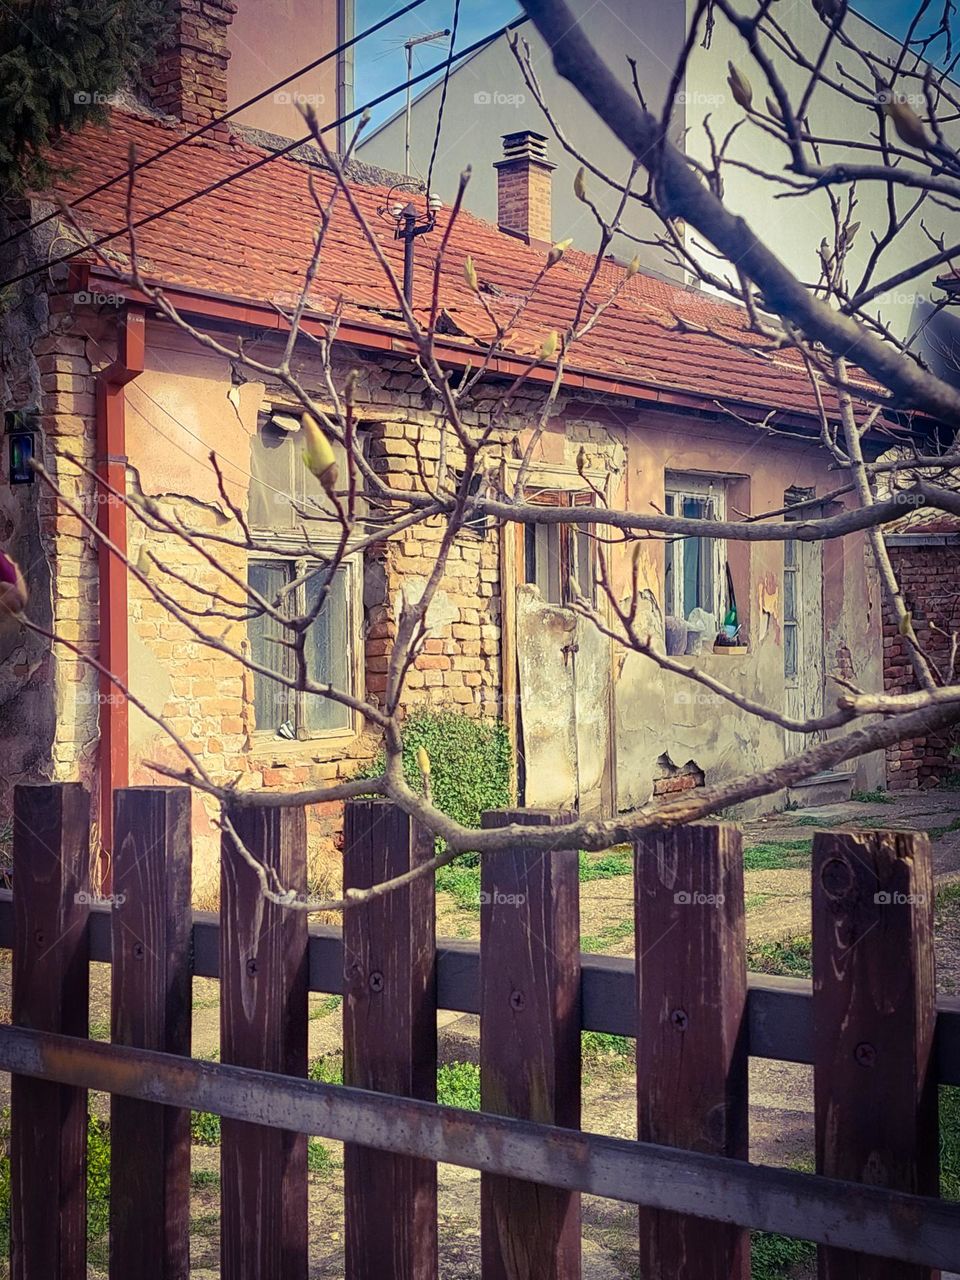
pixel 681 485
pixel 557 496
pixel 284 546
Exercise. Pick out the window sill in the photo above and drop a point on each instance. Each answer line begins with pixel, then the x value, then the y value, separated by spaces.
pixel 711 659
pixel 281 751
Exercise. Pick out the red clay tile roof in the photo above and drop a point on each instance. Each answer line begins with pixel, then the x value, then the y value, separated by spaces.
pixel 252 240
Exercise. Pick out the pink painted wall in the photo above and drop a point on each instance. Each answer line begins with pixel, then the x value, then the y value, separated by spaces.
pixel 270 38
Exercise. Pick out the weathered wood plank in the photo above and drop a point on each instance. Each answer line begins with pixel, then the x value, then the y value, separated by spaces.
pixel 529 1044
pixel 263 1024
pixel 845 1214
pixel 151 998
pixel 692 1030
pixel 874 994
pixel 389 1040
pixel 48 1129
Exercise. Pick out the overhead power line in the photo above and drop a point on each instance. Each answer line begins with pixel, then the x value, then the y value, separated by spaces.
pixel 149 218
pixel 210 124
pixel 443 94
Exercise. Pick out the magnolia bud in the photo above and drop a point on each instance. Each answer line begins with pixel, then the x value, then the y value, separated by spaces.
pixel 423 761
pixel 740 87
pixel 318 454
pixel 548 348
pixel 470 274
pixel 556 252
pixel 580 184
pixel 907 124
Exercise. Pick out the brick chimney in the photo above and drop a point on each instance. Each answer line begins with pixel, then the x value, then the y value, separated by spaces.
pixel 524 180
pixel 189 79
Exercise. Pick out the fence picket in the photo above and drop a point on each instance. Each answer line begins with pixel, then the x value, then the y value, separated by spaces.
pixel 389 1039
pixel 48 1130
pixel 530 1065
pixel 692 1089
pixel 151 997
pixel 874 1014
pixel 263 1024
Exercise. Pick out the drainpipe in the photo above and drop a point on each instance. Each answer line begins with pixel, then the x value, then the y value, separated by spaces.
pixel 111 468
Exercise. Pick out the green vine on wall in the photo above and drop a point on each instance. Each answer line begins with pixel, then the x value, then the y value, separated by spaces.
pixel 470 763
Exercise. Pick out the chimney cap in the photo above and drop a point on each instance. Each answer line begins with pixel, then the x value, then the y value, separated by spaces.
pixel 521 135
pixel 524 145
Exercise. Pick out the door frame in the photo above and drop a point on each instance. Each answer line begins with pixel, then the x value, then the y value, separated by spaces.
pixel 546 478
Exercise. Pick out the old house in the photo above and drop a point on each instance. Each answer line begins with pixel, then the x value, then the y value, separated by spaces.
pixel 90 368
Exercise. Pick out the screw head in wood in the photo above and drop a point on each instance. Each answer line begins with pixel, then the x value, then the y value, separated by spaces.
pixel 251 968
pixel 679 1019
pixel 138 950
pixel 836 877
pixel 516 1000
pixel 865 1054
pixel 376 980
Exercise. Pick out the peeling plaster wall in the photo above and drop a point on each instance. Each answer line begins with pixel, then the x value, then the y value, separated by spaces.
pixel 658 712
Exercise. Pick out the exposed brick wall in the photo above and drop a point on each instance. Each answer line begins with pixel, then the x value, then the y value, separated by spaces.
pixel 189 79
pixel 929 577
pixel 670 779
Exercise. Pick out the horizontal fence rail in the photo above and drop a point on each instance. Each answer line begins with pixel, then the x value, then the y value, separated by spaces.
pixel 848 1215
pixel 779 1010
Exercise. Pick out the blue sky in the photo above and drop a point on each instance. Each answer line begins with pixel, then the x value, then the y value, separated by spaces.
pixel 380 61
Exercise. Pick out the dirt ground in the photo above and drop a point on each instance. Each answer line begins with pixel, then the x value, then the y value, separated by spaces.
pixel 778 907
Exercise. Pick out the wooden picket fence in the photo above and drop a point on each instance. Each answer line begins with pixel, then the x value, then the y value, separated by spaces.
pixel 869 1023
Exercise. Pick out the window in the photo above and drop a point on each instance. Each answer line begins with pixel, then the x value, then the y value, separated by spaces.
pixel 791 594
pixel 284 491
pixel 279 710
pixel 555 555
pixel 792 587
pixel 281 490
pixel 693 569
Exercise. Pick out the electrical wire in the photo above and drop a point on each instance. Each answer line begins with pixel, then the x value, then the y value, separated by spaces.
pixel 443 94
pixel 210 124
pixel 257 164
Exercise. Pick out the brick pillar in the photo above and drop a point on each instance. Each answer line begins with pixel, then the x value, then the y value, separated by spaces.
pixel 524 180
pixel 189 79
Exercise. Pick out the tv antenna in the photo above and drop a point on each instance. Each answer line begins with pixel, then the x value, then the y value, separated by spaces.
pixel 409 46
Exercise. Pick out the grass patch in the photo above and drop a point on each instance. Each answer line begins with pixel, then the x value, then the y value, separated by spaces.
pixel 319 1158
pixel 936 832
pixel 602 1044
pixel 948 896
pixel 754 900
pixel 462 882
pixel 772 1256
pixel 204 1129
pixel 458 1085
pixel 607 865
pixel 326 1069
pixel 950 1142
pixel 777 855
pixel 328 1005
pixel 613 933
pixel 808 820
pixel 200 1178
pixel 787 958
pixel 876 796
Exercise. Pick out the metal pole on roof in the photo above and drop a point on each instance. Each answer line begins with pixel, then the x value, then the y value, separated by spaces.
pixel 409 45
